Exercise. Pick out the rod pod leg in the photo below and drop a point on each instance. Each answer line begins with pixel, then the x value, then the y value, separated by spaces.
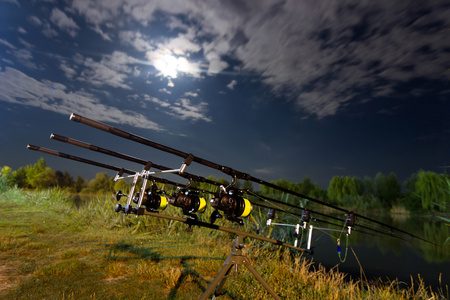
pixel 234 259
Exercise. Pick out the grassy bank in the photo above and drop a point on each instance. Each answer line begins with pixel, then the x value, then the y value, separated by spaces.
pixel 50 249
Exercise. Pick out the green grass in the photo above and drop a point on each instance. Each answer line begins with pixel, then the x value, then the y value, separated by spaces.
pixel 50 249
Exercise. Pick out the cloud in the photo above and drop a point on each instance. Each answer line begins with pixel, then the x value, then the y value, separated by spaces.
pixel 7 44
pixel 34 20
pixel 182 109
pixel 191 94
pixel 156 101
pixel 26 44
pixel 104 35
pixel 113 70
pixel 329 54
pixel 135 39
pixel 25 57
pixel 60 19
pixel 68 71
pixel 185 110
pixel 48 31
pixel 21 30
pixel 164 90
pixel 324 56
pixel 232 84
pixel 18 88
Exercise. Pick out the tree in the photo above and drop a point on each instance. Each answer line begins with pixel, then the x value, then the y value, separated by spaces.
pixel 101 184
pixel 5 173
pixel 306 186
pixel 387 189
pixel 430 187
pixel 367 186
pixel 64 180
pixel 33 170
pixel 80 184
pixel 45 179
pixel 38 176
pixel 19 178
pixel 122 185
pixel 340 187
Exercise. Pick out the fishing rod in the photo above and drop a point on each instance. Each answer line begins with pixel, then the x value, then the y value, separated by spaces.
pixel 130 172
pixel 234 259
pixel 98 164
pixel 120 170
pixel 189 157
pixel 91 147
pixel 183 199
pixel 324 215
pixel 154 201
pixel 161 167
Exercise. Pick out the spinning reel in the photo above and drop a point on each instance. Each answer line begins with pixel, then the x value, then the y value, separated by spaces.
pixel 189 202
pixel 232 204
pixel 152 199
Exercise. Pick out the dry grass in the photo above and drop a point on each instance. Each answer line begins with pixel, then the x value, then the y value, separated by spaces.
pixel 51 250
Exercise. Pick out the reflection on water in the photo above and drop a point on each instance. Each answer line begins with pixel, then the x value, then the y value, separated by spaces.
pixel 391 258
pixel 379 256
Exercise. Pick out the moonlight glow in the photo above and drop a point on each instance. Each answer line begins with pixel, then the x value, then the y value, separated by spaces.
pixel 169 65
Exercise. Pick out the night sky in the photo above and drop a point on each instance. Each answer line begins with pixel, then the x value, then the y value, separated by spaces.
pixel 277 89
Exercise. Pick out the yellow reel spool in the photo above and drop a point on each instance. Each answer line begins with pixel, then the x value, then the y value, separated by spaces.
pixel 202 205
pixel 247 208
pixel 163 203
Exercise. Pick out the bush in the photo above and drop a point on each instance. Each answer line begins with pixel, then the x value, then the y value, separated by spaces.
pixel 4 179
pixel 4 185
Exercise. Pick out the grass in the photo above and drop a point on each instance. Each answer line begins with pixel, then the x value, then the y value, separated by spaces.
pixel 52 249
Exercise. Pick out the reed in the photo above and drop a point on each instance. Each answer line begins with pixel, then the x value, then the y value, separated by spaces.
pixel 53 249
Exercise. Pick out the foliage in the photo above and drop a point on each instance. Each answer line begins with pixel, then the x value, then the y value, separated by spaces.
pixel 431 188
pixel 19 178
pixel 387 189
pixel 62 252
pixel 64 179
pixel 5 178
pixel 101 184
pixel 305 187
pixel 422 190
pixel 80 183
pixel 342 187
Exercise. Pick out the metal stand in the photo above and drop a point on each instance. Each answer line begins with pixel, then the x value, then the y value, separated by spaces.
pixel 234 259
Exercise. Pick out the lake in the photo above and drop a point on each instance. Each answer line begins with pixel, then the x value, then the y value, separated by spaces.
pixel 391 258
pixel 380 256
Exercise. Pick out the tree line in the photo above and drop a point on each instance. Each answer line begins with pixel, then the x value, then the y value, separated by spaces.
pixel 422 191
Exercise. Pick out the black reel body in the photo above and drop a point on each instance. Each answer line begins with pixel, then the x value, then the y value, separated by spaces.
pixel 306 215
pixel 153 200
pixel 271 214
pixel 233 205
pixel 350 219
pixel 188 201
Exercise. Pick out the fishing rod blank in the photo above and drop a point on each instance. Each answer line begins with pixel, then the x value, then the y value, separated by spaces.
pixel 184 220
pixel 105 166
pixel 224 169
pixel 227 170
pixel 154 203
pixel 91 147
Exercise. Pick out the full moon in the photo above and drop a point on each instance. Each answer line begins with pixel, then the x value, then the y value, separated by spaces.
pixel 169 65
